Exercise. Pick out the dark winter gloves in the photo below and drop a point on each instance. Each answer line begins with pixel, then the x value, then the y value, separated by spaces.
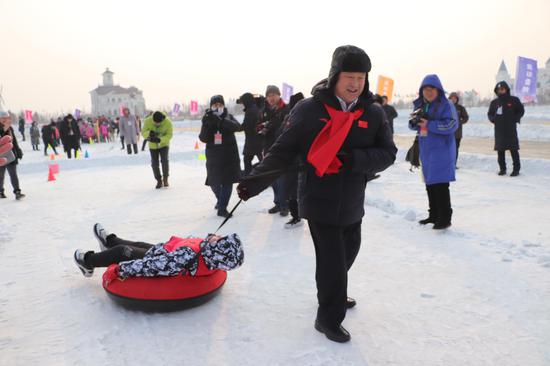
pixel 211 119
pixel 153 137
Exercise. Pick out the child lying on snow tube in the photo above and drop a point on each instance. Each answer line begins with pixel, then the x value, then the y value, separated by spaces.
pixel 175 257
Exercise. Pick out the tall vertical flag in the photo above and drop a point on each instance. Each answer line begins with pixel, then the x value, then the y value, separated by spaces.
pixel 288 90
pixel 385 87
pixel 77 113
pixel 526 80
pixel 121 110
pixel 194 108
pixel 176 109
pixel 28 116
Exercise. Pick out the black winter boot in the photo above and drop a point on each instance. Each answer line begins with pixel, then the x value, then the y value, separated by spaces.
pixel 165 182
pixel 2 194
pixel 159 184
pixel 337 334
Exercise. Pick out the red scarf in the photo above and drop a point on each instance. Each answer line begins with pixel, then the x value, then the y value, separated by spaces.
pixel 322 154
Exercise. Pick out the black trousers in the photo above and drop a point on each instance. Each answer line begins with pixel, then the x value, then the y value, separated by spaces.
pixel 145 141
pixel 69 152
pixel 120 250
pixel 248 162
pixel 49 144
pixel 457 147
pixel 129 148
pixel 515 160
pixel 161 153
pixel 291 183
pixel 439 200
pixel 335 250
pixel 12 171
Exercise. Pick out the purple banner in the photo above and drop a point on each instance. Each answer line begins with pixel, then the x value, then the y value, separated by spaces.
pixel 526 80
pixel 176 109
pixel 77 113
pixel 287 92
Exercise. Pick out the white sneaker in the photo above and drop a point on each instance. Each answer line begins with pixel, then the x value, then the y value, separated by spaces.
pixel 101 236
pixel 79 260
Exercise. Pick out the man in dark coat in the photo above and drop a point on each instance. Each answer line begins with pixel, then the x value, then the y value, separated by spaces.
pixel 273 116
pixel 505 113
pixel 391 113
pixel 253 143
pixel 11 167
pixel 341 138
pixel 462 119
pixel 70 135
pixel 48 137
pixel 22 128
pixel 223 165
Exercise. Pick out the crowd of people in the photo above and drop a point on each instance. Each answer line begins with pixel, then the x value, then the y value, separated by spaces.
pixel 317 154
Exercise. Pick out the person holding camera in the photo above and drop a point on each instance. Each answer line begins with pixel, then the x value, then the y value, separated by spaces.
pixel 10 153
pixel 223 164
pixel 341 137
pixel 435 120
pixel 157 129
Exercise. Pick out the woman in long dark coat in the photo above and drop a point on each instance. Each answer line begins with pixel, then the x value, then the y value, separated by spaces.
pixel 223 164
pixel 70 135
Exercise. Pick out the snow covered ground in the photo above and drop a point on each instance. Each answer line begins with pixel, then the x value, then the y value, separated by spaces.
pixel 477 294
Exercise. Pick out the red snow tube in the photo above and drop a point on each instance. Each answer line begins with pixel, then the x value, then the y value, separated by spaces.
pixel 162 294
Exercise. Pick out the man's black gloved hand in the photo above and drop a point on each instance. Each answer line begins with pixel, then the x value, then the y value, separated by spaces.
pixel 242 191
pixel 154 139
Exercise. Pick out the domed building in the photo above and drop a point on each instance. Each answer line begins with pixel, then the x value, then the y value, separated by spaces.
pixel 107 99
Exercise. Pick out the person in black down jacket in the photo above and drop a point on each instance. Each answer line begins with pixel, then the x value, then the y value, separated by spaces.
pixel 341 138
pixel 274 113
pixel 223 165
pixel 253 143
pixel 70 135
pixel 505 113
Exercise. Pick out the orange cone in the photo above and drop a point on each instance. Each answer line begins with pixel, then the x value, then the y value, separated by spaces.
pixel 52 156
pixel 196 145
pixel 51 176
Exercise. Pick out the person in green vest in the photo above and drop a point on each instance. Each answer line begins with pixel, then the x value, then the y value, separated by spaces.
pixel 158 130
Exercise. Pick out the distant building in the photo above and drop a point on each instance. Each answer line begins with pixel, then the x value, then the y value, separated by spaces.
pixel 543 83
pixel 107 99
pixel 504 75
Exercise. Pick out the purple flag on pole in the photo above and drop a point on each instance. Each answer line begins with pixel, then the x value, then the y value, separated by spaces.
pixel 288 90
pixel 176 109
pixel 77 113
pixel 526 80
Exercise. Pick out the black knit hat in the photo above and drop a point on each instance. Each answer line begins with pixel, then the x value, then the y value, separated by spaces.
pixel 348 59
pixel 216 99
pixel 158 117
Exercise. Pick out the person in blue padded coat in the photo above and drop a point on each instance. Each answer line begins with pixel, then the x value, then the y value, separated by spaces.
pixel 436 130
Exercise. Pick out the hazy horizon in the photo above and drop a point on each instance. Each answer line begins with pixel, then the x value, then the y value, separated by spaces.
pixel 54 52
